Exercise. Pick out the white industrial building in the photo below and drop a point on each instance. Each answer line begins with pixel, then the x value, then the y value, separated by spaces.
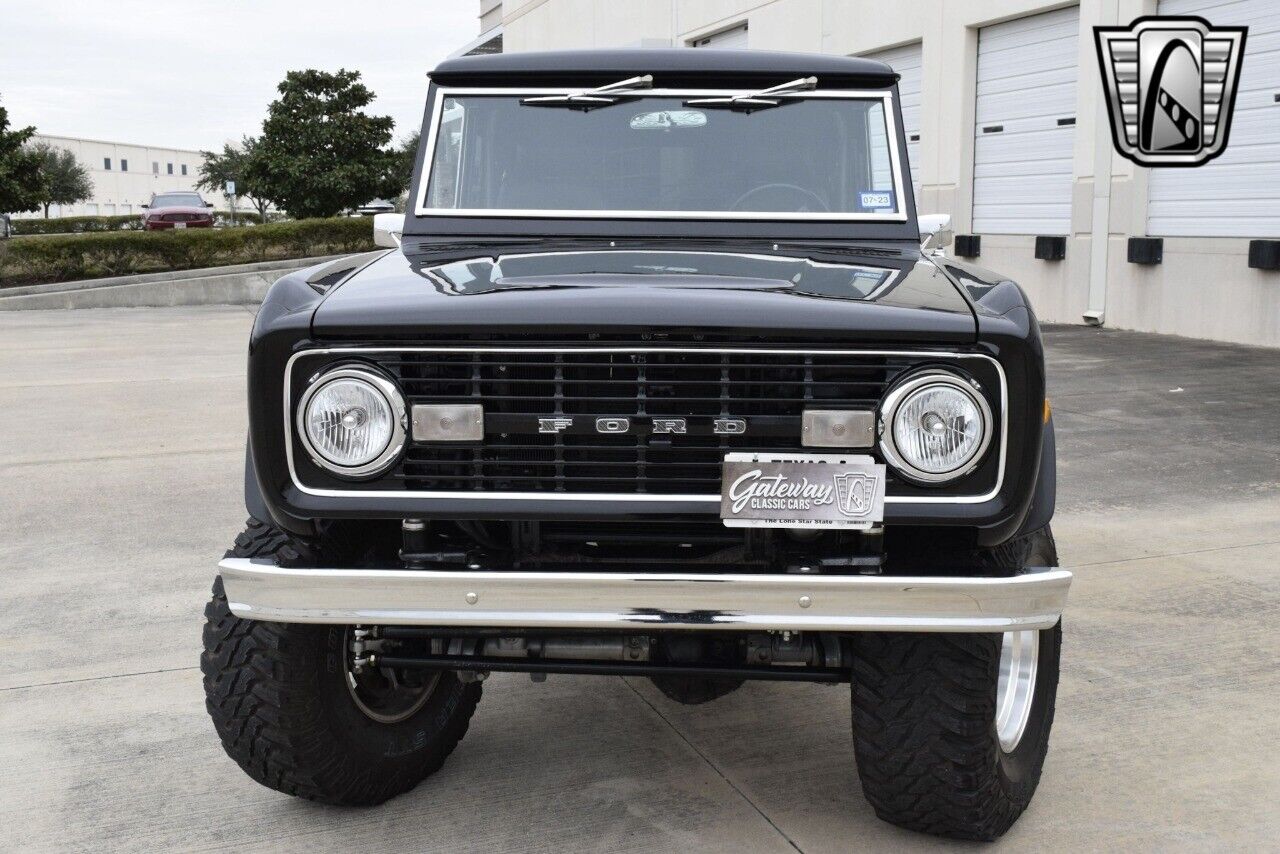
pixel 124 175
pixel 1008 131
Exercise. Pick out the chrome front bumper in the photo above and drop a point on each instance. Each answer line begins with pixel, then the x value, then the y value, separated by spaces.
pixel 260 590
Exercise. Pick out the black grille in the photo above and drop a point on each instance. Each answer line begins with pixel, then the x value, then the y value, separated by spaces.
pixel 518 389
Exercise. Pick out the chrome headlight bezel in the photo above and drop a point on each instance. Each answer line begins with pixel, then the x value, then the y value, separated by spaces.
pixel 892 403
pixel 386 389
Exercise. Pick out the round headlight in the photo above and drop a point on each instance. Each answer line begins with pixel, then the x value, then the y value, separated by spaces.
pixel 935 427
pixel 352 421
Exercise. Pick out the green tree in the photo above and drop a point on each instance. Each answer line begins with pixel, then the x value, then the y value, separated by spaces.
pixel 408 155
pixel 320 153
pixel 233 163
pixel 22 183
pixel 67 180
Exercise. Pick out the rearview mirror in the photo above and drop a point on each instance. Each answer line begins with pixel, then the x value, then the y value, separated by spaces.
pixel 935 233
pixel 668 120
pixel 387 228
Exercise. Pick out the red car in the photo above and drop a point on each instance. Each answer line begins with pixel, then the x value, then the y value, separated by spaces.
pixel 177 210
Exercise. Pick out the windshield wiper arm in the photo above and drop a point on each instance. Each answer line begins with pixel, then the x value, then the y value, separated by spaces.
pixel 601 96
pixel 760 100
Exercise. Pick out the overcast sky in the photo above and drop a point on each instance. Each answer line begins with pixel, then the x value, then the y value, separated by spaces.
pixel 197 74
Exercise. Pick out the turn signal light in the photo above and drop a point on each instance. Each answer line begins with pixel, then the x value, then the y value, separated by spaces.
pixel 448 422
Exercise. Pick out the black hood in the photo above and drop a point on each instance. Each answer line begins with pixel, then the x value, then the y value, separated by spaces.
pixel 880 295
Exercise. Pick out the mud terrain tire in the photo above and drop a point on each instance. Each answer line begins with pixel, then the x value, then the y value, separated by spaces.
pixel 279 699
pixel 924 724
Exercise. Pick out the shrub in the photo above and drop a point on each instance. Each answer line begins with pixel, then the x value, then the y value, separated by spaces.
pixel 223 218
pixel 87 256
pixel 77 224
pixel 127 222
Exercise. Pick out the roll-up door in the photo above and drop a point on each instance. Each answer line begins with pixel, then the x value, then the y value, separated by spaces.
pixel 907 62
pixel 1238 193
pixel 1025 124
pixel 734 37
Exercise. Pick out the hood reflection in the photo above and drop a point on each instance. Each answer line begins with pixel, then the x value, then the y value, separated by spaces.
pixel 663 269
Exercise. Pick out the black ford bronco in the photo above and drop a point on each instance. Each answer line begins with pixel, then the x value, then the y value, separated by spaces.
pixel 655 378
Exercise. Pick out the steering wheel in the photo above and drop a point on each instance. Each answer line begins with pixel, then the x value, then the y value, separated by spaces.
pixel 811 198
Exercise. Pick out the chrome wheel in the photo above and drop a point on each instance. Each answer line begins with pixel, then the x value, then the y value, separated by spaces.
pixel 1015 691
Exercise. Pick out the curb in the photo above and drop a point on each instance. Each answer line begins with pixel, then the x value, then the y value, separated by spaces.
pixel 242 284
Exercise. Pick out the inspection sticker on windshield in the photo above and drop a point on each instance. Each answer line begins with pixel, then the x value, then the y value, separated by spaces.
pixel 801 491
pixel 873 201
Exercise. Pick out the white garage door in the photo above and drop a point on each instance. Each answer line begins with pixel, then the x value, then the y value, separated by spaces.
pixel 1238 194
pixel 906 61
pixel 734 38
pixel 1025 124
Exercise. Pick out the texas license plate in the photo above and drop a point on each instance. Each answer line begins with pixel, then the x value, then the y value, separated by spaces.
pixel 801 491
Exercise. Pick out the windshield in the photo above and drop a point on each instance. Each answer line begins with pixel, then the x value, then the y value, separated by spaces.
pixel 177 200
pixel 806 158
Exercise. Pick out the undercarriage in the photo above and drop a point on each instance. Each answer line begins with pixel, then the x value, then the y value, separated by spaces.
pixel 779 655
pixel 655 545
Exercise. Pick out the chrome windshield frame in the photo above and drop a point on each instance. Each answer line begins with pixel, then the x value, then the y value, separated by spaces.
pixel 443 93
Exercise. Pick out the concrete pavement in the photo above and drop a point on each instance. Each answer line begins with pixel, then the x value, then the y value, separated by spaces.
pixel 121 463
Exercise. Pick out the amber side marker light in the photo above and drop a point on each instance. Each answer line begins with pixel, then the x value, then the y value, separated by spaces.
pixel 1048 410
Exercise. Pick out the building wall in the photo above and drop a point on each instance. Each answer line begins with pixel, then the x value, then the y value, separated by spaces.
pixel 490 14
pixel 1204 287
pixel 119 191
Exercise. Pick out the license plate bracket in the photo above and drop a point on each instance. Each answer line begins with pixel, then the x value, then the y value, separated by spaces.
pixel 828 491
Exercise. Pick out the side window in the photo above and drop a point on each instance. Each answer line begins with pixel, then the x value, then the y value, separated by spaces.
pixel 124 165
pixel 446 164
pixel 170 165
pixel 106 163
pixel 184 168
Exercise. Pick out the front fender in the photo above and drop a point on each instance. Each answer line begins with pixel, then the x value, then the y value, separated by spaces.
pixel 1046 494
pixel 253 500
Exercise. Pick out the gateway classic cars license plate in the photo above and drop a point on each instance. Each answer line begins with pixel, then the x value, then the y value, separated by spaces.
pixel 801 491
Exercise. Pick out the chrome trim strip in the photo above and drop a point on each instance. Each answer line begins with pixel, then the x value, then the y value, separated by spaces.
pixel 258 589
pixel 443 92
pixel 710 501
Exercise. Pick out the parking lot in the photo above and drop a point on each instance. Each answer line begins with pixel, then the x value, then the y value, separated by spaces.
pixel 121 455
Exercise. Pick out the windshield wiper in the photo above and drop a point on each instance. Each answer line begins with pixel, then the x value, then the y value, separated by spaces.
pixel 589 99
pixel 760 100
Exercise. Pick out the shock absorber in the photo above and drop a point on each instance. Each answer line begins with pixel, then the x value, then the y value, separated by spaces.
pixel 413 538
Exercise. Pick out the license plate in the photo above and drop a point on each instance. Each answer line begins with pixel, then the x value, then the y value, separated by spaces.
pixel 801 491
pixel 179 225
